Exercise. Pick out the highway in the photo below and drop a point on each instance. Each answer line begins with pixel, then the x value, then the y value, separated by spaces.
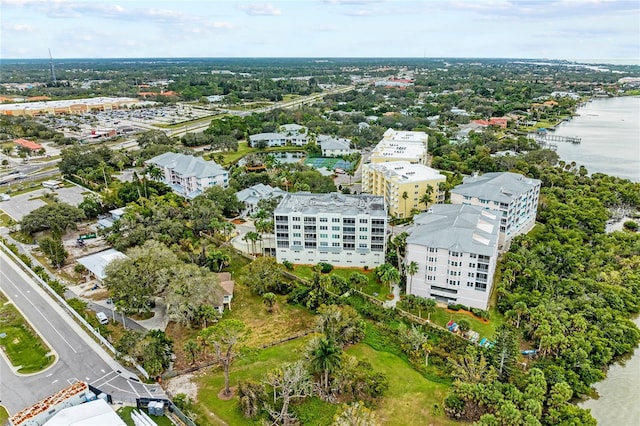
pixel 79 358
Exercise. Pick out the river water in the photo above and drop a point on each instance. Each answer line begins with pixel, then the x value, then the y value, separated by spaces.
pixel 610 132
pixel 619 394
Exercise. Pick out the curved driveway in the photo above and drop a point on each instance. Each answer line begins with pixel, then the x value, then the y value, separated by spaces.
pixel 80 357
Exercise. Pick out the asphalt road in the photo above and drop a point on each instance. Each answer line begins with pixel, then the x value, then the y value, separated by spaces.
pixel 79 358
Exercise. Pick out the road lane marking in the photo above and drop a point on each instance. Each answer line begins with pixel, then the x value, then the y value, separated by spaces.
pixel 134 389
pixel 38 310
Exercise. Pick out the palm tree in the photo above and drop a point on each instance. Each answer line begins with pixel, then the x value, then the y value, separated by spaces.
pixel 269 299
pixel 412 269
pixel 192 348
pixel 426 198
pixel 325 359
pixel 429 307
pixel 390 277
pixel 405 196
pixel 154 172
pixel 253 237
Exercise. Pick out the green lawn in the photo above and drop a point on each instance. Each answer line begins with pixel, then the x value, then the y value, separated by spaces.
pixel 252 367
pixel 4 415
pixel 21 344
pixel 5 220
pixel 178 125
pixel 410 400
pixel 125 415
pixel 372 287
pixel 486 329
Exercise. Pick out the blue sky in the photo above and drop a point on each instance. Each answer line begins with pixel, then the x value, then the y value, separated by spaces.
pixel 603 30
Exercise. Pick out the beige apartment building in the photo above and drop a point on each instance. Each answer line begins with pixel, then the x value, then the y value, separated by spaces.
pixel 403 185
pixel 399 145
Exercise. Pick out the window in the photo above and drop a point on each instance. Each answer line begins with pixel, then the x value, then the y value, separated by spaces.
pixel 295 219
pixel 296 234
pixel 335 236
pixel 362 237
pixel 297 243
pixel 336 220
pixel 296 226
pixel 364 220
pixel 323 219
pixel 471 274
pixel 335 244
pixel 323 227
pixel 473 255
pixel 433 250
pixel 363 229
pixel 362 245
pixel 324 236
pixel 335 228
pixel 324 244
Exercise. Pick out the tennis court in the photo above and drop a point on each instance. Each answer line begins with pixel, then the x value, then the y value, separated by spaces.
pixel 328 163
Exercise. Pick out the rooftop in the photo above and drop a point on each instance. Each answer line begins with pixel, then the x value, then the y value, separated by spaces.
pixel 98 261
pixel 67 103
pixel 307 203
pixel 404 171
pixel 90 413
pixel 456 227
pixel 28 144
pixel 496 186
pixel 188 165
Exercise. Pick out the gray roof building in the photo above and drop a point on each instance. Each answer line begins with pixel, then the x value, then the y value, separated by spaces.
pixel 188 165
pixel 458 228
pixel 250 196
pixel 497 186
pixel 96 262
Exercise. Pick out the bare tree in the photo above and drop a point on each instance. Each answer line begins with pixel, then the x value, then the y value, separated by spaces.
pixel 290 382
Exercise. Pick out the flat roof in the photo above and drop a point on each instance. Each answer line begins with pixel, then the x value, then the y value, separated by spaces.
pixel 44 105
pixel 345 204
pixel 92 413
pixel 403 171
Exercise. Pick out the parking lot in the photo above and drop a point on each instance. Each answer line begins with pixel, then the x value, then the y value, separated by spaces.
pixel 21 205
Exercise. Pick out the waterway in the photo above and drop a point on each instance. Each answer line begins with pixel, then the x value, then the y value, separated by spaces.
pixel 618 403
pixel 610 132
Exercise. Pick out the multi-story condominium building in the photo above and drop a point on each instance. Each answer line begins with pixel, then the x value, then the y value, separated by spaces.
pixel 269 139
pixel 398 179
pixel 401 146
pixel 189 176
pixel 456 248
pixel 513 195
pixel 343 230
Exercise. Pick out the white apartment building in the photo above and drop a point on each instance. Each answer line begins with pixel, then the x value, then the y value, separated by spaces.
pixel 401 146
pixel 343 230
pixel 392 180
pixel 456 249
pixel 513 195
pixel 189 176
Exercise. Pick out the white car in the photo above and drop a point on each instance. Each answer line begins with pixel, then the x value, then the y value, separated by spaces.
pixel 102 318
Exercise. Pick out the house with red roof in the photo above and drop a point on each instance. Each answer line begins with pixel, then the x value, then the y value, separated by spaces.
pixel 30 145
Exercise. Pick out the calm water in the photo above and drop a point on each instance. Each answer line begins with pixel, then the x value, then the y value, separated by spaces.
pixel 619 401
pixel 610 132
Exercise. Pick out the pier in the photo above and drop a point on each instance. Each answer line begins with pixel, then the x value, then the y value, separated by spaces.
pixel 547 138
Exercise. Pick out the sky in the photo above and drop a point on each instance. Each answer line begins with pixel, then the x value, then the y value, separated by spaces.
pixel 583 30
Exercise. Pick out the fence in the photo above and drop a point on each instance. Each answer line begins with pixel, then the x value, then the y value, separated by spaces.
pixel 63 303
pixel 144 403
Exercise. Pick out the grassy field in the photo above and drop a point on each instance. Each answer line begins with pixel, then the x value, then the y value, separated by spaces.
pixel 5 219
pixel 21 344
pixel 410 400
pixel 125 415
pixel 372 287
pixel 486 328
pixel 180 124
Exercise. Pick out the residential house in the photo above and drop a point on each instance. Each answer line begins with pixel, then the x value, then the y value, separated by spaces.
pixel 227 285
pixel 456 249
pixel 252 195
pixel 189 176
pixel 343 230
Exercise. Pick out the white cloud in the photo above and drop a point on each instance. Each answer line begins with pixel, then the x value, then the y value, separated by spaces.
pixel 260 9
pixel 17 27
